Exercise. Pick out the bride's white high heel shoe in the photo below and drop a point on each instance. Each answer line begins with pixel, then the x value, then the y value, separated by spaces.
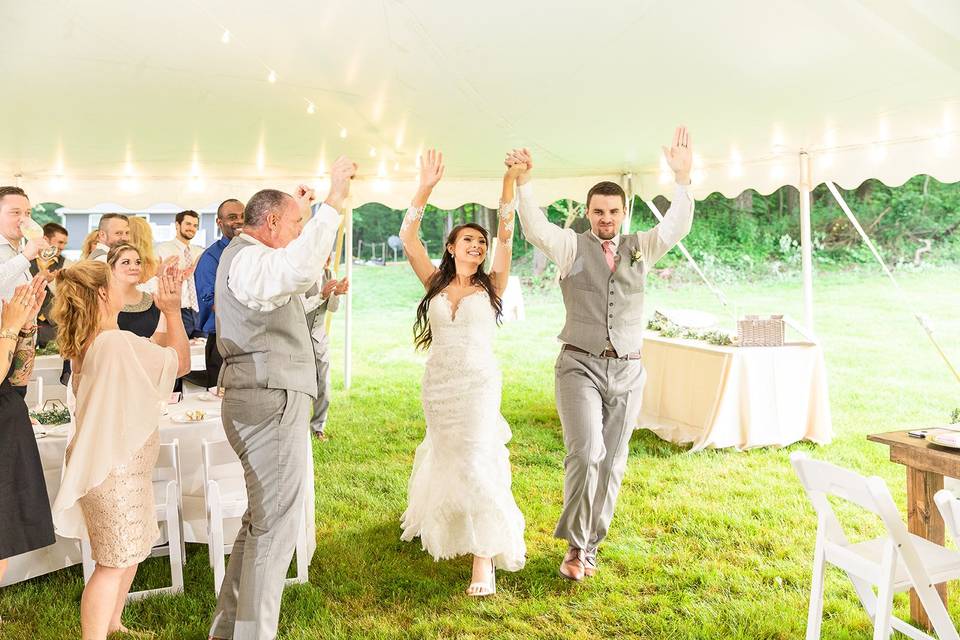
pixel 487 588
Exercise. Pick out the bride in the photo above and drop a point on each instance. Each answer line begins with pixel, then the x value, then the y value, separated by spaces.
pixel 459 498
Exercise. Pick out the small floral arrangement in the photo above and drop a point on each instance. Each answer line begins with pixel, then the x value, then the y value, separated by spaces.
pixel 56 414
pixel 955 416
pixel 635 257
pixel 668 329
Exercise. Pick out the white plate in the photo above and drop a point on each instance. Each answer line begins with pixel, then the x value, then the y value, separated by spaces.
pixel 181 418
pixel 60 430
pixel 951 440
pixel 206 396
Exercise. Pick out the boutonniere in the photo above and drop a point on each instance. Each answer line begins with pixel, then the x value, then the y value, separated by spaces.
pixel 635 257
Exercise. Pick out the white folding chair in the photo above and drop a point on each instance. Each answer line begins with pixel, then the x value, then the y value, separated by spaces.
pixel 949 508
pixel 895 562
pixel 225 495
pixel 167 495
pixel 34 394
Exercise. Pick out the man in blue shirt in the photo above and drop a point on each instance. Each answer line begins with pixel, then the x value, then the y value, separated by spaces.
pixel 230 221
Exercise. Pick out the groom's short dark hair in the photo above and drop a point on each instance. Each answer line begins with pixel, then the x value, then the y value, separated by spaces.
pixel 262 203
pixel 606 189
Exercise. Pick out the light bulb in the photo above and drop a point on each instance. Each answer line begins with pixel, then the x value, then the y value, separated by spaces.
pixel 311 108
pixel 225 38
pixel 272 76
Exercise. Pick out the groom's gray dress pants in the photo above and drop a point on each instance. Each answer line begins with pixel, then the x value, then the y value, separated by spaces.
pixel 268 430
pixel 598 400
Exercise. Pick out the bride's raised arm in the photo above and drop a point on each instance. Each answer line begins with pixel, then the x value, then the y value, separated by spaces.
pixel 431 170
pixel 500 272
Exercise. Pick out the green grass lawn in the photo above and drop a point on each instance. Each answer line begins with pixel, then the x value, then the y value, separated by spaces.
pixel 715 544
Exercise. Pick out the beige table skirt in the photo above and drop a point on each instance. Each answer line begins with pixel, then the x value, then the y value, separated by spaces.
pixel 711 396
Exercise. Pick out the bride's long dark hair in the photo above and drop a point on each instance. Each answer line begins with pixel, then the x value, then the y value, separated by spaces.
pixel 422 336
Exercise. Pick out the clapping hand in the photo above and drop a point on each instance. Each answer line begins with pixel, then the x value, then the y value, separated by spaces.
pixel 167 297
pixel 335 287
pixel 24 305
pixel 680 155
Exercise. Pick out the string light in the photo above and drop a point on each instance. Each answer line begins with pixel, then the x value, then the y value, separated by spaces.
pixel 225 38
pixel 272 76
pixel 58 183
pixel 736 164
pixel 343 132
pixel 373 152
pixel 311 108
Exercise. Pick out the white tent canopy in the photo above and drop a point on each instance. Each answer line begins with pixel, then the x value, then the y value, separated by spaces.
pixel 138 103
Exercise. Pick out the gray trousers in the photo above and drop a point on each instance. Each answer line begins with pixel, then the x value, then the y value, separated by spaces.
pixel 322 403
pixel 598 400
pixel 268 430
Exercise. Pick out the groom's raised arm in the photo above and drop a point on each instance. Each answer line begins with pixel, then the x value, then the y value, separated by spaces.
pixel 676 224
pixel 656 242
pixel 559 245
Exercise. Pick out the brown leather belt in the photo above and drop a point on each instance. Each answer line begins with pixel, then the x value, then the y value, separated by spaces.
pixel 606 353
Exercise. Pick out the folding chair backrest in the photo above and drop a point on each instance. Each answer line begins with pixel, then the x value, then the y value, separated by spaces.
pixel 168 463
pixel 33 398
pixel 822 479
pixel 219 461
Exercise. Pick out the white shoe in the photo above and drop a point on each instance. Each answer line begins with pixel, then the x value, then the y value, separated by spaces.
pixel 488 588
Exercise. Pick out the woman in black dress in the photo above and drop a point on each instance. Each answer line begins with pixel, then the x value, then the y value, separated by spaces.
pixel 25 521
pixel 140 315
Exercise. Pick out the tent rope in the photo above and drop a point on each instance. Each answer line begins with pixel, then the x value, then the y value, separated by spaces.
pixel 693 263
pixel 921 319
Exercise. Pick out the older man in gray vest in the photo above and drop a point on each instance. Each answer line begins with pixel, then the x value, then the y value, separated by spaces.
pixel 269 373
pixel 599 374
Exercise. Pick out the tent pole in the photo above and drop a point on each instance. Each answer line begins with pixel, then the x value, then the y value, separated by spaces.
pixel 335 263
pixel 626 181
pixel 806 241
pixel 348 330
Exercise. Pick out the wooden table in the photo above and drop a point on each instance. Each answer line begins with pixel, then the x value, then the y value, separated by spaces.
pixel 926 465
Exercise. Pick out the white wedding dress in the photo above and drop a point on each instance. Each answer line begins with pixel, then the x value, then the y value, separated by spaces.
pixel 459 500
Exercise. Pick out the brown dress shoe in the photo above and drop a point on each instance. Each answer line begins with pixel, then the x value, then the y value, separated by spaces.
pixel 572 567
pixel 590 566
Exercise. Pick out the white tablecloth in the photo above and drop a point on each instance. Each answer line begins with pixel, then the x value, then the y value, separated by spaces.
pixel 66 552
pixel 740 397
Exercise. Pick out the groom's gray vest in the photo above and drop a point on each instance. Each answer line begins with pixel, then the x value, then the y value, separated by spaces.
pixel 261 350
pixel 600 304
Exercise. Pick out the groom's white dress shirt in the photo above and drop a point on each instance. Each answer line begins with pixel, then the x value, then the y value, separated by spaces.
pixel 560 245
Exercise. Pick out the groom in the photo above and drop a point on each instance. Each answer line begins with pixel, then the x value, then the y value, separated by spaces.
pixel 599 374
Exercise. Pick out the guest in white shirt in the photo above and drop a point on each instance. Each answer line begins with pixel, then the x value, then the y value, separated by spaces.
pixel 114 229
pixel 15 254
pixel 269 376
pixel 187 224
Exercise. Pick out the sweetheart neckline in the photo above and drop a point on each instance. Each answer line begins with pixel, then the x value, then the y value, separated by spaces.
pixel 453 310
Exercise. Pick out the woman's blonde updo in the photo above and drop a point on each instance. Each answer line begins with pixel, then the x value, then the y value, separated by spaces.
pixel 76 307
pixel 141 237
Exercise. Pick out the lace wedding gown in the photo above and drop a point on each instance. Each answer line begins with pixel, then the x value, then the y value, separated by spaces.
pixel 459 498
